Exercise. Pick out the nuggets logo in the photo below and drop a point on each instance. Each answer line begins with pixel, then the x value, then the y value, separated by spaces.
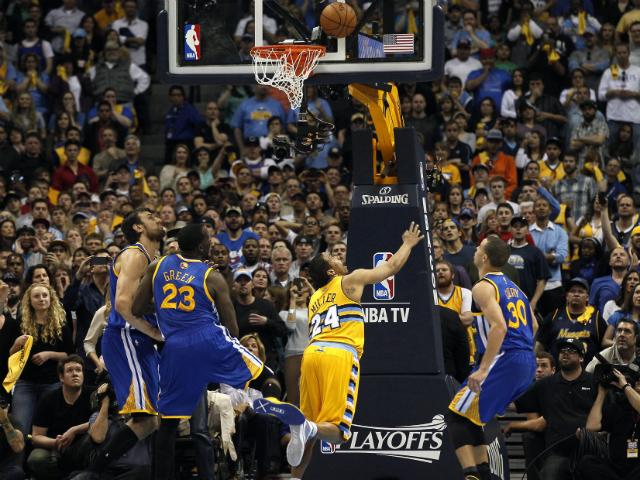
pixel 184 265
pixel 385 289
pixel 192 42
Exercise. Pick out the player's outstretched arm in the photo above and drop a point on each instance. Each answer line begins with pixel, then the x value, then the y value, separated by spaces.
pixel 354 283
pixel 219 291
pixel 484 294
pixel 132 263
pixel 143 299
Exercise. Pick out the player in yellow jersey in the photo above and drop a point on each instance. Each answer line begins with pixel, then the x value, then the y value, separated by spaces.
pixel 330 365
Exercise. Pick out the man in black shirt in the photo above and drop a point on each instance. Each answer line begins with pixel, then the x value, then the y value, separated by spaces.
pixel 529 261
pixel 620 418
pixel 257 315
pixel 564 400
pixel 60 424
pixel 11 446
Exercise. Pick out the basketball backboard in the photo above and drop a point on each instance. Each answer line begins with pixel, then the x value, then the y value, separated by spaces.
pixel 196 44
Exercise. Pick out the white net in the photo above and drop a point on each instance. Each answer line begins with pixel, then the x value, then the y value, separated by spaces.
pixel 286 68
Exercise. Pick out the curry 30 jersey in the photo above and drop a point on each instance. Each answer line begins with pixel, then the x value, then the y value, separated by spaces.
pixel 334 317
pixel 516 311
pixel 179 287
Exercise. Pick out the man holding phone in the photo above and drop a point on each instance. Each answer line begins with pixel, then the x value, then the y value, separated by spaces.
pixel 85 298
pixel 257 315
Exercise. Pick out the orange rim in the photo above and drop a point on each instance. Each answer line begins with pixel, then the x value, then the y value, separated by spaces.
pixel 273 52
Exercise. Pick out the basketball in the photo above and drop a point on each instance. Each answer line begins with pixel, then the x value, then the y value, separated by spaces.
pixel 338 20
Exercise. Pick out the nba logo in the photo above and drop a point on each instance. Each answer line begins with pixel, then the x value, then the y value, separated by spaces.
pixel 192 42
pixel 326 447
pixel 383 290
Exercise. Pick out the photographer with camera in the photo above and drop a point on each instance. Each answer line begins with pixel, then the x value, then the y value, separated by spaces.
pixel 11 444
pixel 136 464
pixel 620 418
pixel 86 298
pixel 623 350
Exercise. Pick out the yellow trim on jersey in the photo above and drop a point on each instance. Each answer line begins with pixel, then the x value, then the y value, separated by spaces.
pixel 204 284
pixel 127 248
pixel 175 416
pixel 494 286
pixel 131 401
pixel 473 411
pixel 187 259
pixel 153 280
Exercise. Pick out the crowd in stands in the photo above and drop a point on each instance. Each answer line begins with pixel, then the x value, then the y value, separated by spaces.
pixel 535 126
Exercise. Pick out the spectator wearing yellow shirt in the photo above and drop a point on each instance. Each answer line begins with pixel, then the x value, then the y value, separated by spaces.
pixel 73 133
pixel 627 20
pixel 551 168
pixel 110 12
pixel 450 172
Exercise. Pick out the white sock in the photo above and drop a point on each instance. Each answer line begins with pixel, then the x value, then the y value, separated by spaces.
pixel 314 430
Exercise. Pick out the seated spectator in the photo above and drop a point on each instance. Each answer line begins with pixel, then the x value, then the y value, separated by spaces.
pixel 531 150
pixel 103 425
pixel 523 32
pixel 527 121
pixel 617 419
pixel 622 147
pixel 589 329
pixel 120 113
pixel 84 45
pixel 489 81
pixel 256 315
pixel 180 167
pixel 45 320
pixel 31 79
pixel 32 44
pixel 621 96
pixel 572 98
pixel 499 164
pixel 213 133
pixel 133 32
pixel 63 21
pixel 105 119
pixel 461 65
pixel 246 124
pixel 627 288
pixel 592 59
pixel 590 135
pixel 69 79
pixel 65 176
pixel 251 253
pixel 59 157
pixel 498 187
pixel 11 445
pixel 72 107
pixel 281 260
pixel 265 429
pixel 26 118
pixel 574 190
pixel 623 349
pixel 60 423
pixel 564 400
pixel 553 241
pixel 551 168
pixel 589 264
pixel 478 37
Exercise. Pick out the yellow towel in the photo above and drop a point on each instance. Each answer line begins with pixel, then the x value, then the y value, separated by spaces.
pixel 32 83
pixel 614 72
pixel 484 158
pixel 584 318
pixel 412 27
pixel 526 31
pixel 62 73
pixel 553 55
pixel 17 361
pixel 582 22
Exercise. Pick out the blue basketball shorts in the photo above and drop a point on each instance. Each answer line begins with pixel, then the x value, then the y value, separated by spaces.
pixel 510 374
pixel 191 360
pixel 132 362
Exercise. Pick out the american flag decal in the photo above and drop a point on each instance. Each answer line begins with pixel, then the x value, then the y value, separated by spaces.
pixel 402 43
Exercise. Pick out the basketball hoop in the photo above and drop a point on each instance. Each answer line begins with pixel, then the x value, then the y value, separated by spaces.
pixel 286 67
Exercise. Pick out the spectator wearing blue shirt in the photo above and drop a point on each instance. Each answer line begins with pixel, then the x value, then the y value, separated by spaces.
pixel 31 79
pixel 478 37
pixel 253 114
pixel 235 236
pixel 553 241
pixel 180 123
pixel 604 289
pixel 489 82
pixel 614 187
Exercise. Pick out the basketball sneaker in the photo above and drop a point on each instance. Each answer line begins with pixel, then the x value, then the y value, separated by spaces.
pixel 286 412
pixel 299 436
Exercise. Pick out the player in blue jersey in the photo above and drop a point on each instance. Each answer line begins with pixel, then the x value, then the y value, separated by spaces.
pixel 127 343
pixel 506 326
pixel 198 322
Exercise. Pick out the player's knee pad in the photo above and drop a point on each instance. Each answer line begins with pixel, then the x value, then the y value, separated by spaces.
pixel 464 431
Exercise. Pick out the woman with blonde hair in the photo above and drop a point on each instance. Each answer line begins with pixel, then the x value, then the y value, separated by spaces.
pixel 180 166
pixel 26 117
pixel 44 319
